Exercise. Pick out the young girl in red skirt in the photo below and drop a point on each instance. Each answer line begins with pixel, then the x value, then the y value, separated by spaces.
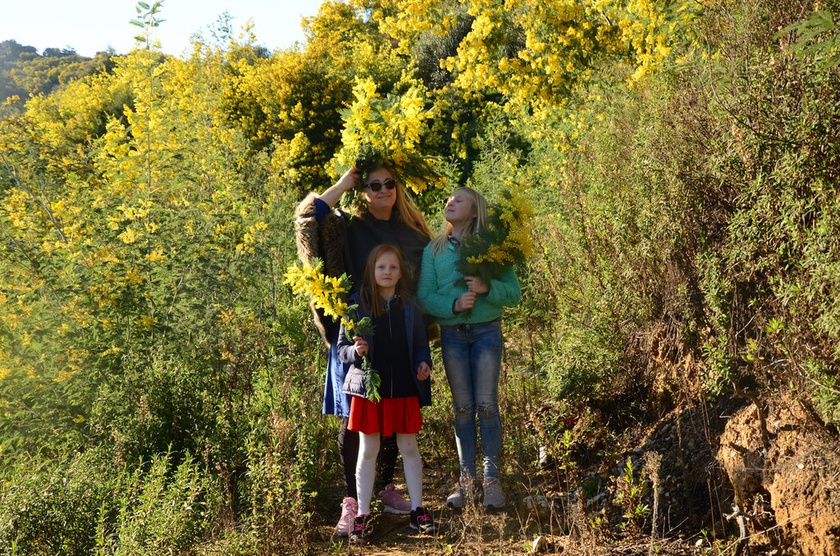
pixel 399 351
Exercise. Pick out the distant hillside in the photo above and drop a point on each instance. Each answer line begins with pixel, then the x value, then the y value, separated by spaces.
pixel 25 73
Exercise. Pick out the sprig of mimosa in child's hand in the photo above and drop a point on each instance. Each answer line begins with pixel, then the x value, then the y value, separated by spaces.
pixel 327 293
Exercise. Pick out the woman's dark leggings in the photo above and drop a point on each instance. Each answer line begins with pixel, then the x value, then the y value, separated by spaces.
pixel 348 447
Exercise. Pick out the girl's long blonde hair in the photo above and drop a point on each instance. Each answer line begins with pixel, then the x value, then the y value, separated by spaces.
pixel 479 221
pixel 405 207
pixel 370 289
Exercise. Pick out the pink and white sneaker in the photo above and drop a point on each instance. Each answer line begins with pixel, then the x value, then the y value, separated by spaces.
pixel 393 501
pixel 349 508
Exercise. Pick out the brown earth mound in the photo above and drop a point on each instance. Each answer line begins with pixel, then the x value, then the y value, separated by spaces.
pixel 785 470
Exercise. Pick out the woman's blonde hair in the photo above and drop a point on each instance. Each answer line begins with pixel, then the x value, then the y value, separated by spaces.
pixel 369 292
pixel 479 221
pixel 405 207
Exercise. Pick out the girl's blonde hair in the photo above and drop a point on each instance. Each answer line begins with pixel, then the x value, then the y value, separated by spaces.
pixel 405 207
pixel 479 221
pixel 369 291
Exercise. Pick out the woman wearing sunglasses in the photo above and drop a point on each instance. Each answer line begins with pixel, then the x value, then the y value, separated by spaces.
pixel 344 241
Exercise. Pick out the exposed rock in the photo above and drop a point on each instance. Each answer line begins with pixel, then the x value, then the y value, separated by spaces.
pixel 792 488
pixel 742 454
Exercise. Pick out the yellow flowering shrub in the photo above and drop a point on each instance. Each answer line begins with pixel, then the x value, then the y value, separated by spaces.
pixel 134 204
pixel 652 28
pixel 406 21
pixel 535 52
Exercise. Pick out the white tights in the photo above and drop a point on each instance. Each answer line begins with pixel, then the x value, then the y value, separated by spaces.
pixel 366 468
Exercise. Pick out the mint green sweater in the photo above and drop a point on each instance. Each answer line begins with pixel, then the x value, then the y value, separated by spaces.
pixel 439 287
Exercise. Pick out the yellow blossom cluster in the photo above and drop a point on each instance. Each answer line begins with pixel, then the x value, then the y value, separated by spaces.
pixel 155 256
pixel 146 322
pixel 378 129
pixel 494 254
pixel 327 293
pixel 256 234
pixel 324 292
pixel 651 27
pixel 504 242
pixel 510 215
pixel 405 22
pixel 558 42
pixel 129 236
pixel 4 370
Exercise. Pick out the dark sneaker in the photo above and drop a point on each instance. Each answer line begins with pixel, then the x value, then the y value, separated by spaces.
pixel 422 522
pixel 362 529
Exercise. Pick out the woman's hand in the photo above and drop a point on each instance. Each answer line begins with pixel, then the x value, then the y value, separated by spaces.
pixel 361 346
pixel 350 179
pixel 476 284
pixel 423 371
pixel 465 302
pixel 345 183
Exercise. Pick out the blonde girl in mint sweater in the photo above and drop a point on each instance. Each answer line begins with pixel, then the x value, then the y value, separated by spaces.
pixel 469 311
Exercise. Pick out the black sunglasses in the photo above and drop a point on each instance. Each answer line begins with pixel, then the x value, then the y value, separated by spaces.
pixel 375 186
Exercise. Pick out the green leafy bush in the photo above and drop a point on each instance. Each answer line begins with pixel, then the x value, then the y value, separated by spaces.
pixel 162 509
pixel 55 505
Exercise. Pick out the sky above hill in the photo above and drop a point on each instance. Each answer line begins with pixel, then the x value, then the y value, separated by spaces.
pixel 91 26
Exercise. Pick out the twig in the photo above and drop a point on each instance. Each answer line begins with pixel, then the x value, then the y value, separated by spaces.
pixel 653 462
pixel 743 546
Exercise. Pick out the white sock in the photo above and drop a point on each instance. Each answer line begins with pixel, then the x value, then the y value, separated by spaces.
pixel 413 467
pixel 366 470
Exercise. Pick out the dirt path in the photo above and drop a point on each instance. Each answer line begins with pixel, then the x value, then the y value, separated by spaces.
pixel 468 531
pixel 667 472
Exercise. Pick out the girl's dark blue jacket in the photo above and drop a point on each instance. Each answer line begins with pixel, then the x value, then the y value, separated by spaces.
pixel 418 345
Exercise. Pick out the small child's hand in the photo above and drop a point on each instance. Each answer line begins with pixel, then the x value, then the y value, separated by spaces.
pixel 423 371
pixel 465 302
pixel 361 346
pixel 476 284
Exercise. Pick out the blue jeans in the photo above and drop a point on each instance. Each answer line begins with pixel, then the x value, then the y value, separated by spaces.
pixel 472 358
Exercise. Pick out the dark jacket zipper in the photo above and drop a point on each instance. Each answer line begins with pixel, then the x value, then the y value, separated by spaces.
pixel 391 334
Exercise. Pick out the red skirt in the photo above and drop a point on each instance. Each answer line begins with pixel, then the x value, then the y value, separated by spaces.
pixel 389 415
